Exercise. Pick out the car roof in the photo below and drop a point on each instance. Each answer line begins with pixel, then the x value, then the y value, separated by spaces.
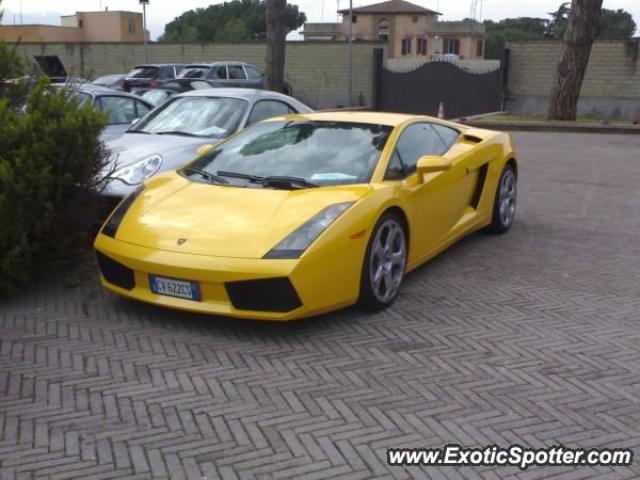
pixel 142 65
pixel 244 93
pixel 92 89
pixel 376 118
pixel 220 62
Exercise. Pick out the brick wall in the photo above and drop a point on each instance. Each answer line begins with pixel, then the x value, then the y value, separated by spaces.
pixel 611 86
pixel 317 70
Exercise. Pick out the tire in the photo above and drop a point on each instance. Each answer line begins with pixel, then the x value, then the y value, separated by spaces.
pixel 384 263
pixel 504 206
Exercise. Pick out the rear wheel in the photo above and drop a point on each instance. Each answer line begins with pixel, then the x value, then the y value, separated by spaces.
pixel 504 208
pixel 384 263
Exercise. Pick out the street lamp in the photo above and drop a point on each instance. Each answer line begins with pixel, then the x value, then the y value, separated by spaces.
pixel 144 4
pixel 350 47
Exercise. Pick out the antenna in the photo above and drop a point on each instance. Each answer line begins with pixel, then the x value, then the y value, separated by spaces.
pixel 473 11
pixel 476 10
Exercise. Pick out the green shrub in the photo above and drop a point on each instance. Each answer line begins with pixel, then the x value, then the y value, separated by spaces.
pixel 50 155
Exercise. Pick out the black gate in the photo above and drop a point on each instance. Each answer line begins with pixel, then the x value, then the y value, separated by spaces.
pixel 421 91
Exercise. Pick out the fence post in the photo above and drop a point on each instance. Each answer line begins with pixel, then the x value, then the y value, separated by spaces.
pixel 505 65
pixel 378 65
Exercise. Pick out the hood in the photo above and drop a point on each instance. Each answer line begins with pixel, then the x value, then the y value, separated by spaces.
pixel 51 66
pixel 175 150
pixel 223 221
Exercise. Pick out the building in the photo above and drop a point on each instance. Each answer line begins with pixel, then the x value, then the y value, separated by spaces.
pixel 410 30
pixel 102 26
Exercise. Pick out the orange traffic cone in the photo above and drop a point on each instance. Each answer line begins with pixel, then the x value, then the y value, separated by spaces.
pixel 441 111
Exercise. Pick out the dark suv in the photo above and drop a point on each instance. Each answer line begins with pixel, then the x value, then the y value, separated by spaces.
pixel 143 77
pixel 226 74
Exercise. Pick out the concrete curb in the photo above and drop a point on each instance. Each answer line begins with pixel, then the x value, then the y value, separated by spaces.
pixel 553 127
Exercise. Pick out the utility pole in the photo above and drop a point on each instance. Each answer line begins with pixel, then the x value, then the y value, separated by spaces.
pixel 144 29
pixel 350 48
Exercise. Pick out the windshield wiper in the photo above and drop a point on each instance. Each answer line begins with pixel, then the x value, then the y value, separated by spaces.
pixel 292 182
pixel 137 131
pixel 274 180
pixel 244 176
pixel 177 132
pixel 211 178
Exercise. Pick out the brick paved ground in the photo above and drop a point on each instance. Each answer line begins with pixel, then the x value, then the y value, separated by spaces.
pixel 533 337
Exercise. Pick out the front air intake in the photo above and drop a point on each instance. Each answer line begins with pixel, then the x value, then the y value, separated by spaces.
pixel 268 295
pixel 115 273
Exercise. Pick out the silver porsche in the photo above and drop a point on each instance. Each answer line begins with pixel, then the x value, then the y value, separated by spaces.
pixel 177 131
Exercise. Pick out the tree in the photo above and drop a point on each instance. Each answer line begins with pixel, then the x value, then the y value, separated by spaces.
pixel 231 21
pixel 276 44
pixel 616 24
pixel 581 30
pixel 557 27
pixel 612 24
pixel 11 64
pixel 523 28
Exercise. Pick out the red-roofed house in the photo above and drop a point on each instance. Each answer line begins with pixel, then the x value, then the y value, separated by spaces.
pixel 411 31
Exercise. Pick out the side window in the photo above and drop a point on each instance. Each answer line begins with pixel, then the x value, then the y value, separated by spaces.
pixel 253 73
pixel 395 169
pixel 416 141
pixel 236 72
pixel 219 72
pixel 448 135
pixel 268 108
pixel 122 110
pixel 141 109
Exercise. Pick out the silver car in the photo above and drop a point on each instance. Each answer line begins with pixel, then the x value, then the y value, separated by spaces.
pixel 175 132
pixel 122 108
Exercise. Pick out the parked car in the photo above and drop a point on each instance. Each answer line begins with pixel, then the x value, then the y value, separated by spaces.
pixel 110 81
pixel 157 96
pixel 148 76
pixel 123 107
pixel 174 133
pixel 53 68
pixel 227 74
pixel 168 89
pixel 301 215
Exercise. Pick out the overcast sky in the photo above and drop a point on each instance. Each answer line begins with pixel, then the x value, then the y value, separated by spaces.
pixel 161 12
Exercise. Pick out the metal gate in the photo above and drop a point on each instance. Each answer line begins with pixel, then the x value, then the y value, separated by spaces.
pixel 422 90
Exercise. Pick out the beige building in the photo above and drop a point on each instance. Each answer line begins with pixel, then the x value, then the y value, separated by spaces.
pixel 411 31
pixel 103 26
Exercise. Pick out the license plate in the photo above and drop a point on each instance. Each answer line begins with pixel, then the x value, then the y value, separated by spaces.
pixel 174 288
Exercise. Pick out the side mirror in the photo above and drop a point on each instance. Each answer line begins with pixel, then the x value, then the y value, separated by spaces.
pixel 431 164
pixel 204 149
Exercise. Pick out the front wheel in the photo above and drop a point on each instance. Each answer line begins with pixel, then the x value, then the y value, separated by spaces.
pixel 504 208
pixel 384 264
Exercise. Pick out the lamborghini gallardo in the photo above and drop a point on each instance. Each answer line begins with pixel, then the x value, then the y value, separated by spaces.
pixel 304 214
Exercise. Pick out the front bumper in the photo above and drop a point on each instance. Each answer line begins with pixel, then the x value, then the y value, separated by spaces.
pixel 318 284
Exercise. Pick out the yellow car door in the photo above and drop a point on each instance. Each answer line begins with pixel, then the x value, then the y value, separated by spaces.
pixel 435 203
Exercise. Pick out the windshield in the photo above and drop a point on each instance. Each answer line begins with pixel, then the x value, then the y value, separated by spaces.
pixel 82 98
pixel 143 72
pixel 196 116
pixel 320 153
pixel 194 72
pixel 156 96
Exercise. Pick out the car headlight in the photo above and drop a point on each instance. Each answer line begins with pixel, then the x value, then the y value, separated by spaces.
pixel 300 239
pixel 138 172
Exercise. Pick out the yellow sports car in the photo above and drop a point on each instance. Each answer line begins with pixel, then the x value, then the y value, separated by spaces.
pixel 305 214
